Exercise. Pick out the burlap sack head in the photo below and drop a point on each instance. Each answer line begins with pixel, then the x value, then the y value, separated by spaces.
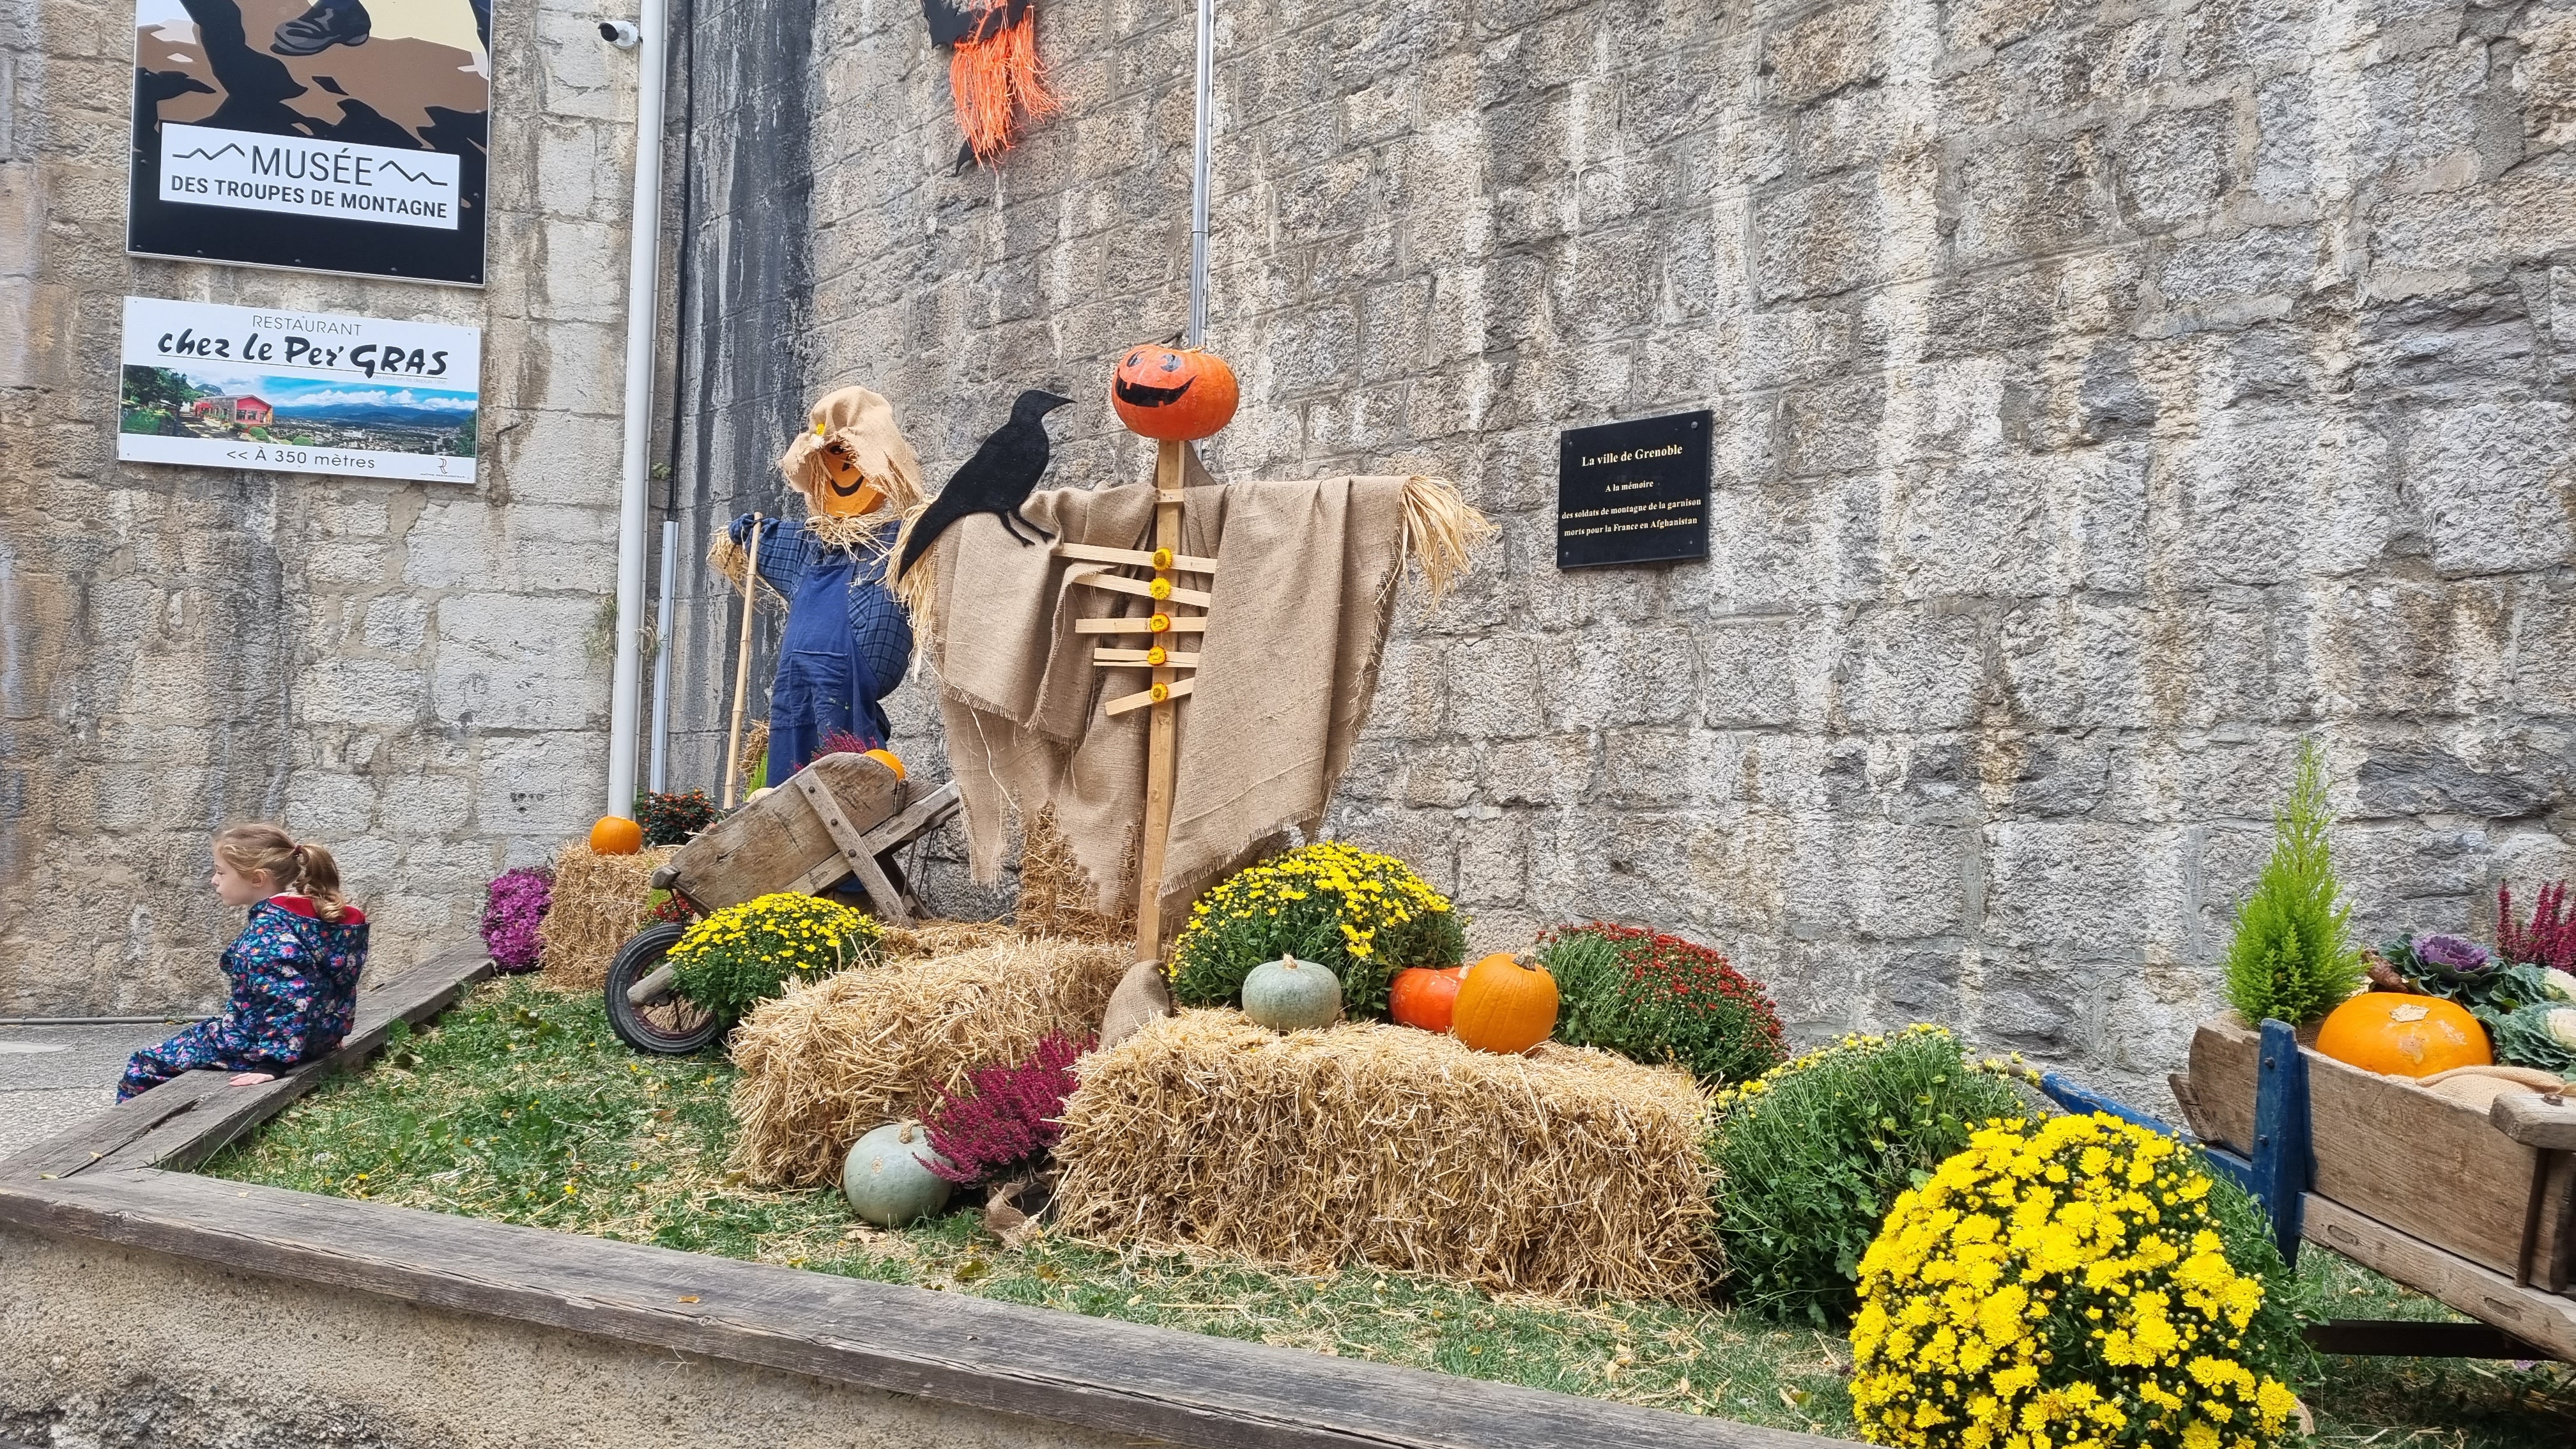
pixel 861 424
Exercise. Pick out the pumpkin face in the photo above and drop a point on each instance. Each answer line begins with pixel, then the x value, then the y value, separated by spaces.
pixel 1292 995
pixel 846 492
pixel 2403 1035
pixel 616 835
pixel 1425 998
pixel 888 1178
pixel 1177 395
pixel 1504 1006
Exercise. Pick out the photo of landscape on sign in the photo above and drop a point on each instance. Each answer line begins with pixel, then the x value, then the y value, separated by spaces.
pixel 243 387
pixel 339 135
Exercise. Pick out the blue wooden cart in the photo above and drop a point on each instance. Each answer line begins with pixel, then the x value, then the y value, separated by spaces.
pixel 2474 1208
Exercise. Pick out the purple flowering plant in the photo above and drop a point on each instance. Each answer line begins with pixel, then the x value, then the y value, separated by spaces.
pixel 1007 1119
pixel 514 905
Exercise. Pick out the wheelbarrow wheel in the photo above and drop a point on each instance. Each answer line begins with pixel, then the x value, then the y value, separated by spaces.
pixel 665 1023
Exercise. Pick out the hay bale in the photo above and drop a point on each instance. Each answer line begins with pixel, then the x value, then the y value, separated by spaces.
pixel 824 1064
pixel 599 901
pixel 1566 1172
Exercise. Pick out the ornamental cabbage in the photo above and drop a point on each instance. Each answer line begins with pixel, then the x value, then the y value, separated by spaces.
pixel 2539 1036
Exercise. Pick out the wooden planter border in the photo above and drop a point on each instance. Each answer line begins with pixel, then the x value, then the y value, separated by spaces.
pixel 111 1180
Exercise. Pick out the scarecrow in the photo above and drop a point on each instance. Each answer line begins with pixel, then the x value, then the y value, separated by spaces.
pixel 847 641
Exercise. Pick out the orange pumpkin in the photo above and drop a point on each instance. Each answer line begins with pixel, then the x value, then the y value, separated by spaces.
pixel 1504 1006
pixel 616 835
pixel 1424 997
pixel 1178 395
pixel 2403 1035
pixel 887 759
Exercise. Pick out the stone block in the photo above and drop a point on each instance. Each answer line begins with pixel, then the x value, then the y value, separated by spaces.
pixel 1550 770
pixel 1493 688
pixel 518 662
pixel 1911 668
pixel 1826 52
pixel 1493 861
pixel 2488 478
pixel 2029 197
pixel 1817 241
pixel 1762 671
pixel 2076 891
pixel 343 690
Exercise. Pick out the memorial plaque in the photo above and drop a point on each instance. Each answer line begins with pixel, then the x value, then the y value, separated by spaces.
pixel 1634 492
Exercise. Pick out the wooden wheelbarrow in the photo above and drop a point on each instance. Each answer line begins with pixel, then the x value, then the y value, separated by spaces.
pixel 842 816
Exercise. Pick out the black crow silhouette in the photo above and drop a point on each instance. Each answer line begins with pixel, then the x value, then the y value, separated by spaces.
pixel 997 480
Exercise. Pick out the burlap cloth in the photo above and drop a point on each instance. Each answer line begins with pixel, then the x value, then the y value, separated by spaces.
pixel 1305 585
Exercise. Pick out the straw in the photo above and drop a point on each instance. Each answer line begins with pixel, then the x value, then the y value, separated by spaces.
pixel 1566 1172
pixel 825 1064
pixel 599 901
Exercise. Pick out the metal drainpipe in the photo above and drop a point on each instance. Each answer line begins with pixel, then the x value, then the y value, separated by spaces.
pixel 643 271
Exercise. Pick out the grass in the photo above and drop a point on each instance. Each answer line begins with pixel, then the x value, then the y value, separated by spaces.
pixel 520 1106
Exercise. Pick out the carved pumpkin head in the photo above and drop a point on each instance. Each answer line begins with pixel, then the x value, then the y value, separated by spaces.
pixel 1177 395
pixel 851 459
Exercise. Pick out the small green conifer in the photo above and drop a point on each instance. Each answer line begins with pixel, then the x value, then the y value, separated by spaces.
pixel 2293 956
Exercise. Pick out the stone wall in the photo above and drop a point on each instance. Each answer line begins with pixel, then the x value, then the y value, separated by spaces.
pixel 2107 397
pixel 414 674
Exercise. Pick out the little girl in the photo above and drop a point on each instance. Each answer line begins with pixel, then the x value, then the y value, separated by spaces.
pixel 294 968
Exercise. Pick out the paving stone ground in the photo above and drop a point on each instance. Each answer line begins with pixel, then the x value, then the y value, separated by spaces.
pixel 50 1076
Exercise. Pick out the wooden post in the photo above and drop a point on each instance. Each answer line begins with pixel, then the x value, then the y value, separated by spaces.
pixel 1162 724
pixel 742 665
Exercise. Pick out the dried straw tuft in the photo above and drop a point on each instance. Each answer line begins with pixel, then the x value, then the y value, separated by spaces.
pixel 599 901
pixel 825 1064
pixel 1567 1172
pixel 1056 893
pixel 1441 529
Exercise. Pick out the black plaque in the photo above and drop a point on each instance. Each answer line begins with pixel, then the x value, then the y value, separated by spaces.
pixel 1633 492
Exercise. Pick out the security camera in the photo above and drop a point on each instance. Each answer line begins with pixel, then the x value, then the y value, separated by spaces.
pixel 621 33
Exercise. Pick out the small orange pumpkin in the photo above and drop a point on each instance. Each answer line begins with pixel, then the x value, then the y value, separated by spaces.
pixel 616 835
pixel 1504 1006
pixel 1178 395
pixel 887 759
pixel 1425 997
pixel 2403 1035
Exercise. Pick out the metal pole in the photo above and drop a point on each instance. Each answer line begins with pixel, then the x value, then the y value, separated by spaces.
pixel 1199 175
pixel 643 272
pixel 662 660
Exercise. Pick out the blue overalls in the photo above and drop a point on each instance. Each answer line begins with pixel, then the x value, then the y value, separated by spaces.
pixel 846 645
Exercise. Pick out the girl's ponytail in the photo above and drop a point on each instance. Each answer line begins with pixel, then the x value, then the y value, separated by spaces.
pixel 268 850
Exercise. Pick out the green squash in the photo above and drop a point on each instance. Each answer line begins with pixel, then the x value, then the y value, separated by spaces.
pixel 888 1178
pixel 1290 995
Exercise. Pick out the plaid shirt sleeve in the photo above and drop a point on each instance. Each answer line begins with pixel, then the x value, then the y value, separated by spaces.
pixel 878 624
pixel 785 554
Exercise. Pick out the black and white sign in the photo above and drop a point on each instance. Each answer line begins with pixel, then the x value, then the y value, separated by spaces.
pixel 298 392
pixel 1634 492
pixel 337 136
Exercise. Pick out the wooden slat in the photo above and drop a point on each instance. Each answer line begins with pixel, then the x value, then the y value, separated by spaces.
pixel 1104 656
pixel 915 818
pixel 855 851
pixel 777 840
pixel 186 1120
pixel 1133 557
pixel 1177 689
pixel 1097 1373
pixel 2547 1320
pixel 2429 1166
pixel 1192 624
pixel 1118 584
pixel 2534 1121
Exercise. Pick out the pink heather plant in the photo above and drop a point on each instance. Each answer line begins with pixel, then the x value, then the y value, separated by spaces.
pixel 2548 939
pixel 1007 1118
pixel 514 904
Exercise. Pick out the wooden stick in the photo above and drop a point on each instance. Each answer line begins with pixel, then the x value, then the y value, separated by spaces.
pixel 742 666
pixel 1194 625
pixel 1133 557
pixel 1117 585
pixel 1108 658
pixel 1177 689
pixel 1162 727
